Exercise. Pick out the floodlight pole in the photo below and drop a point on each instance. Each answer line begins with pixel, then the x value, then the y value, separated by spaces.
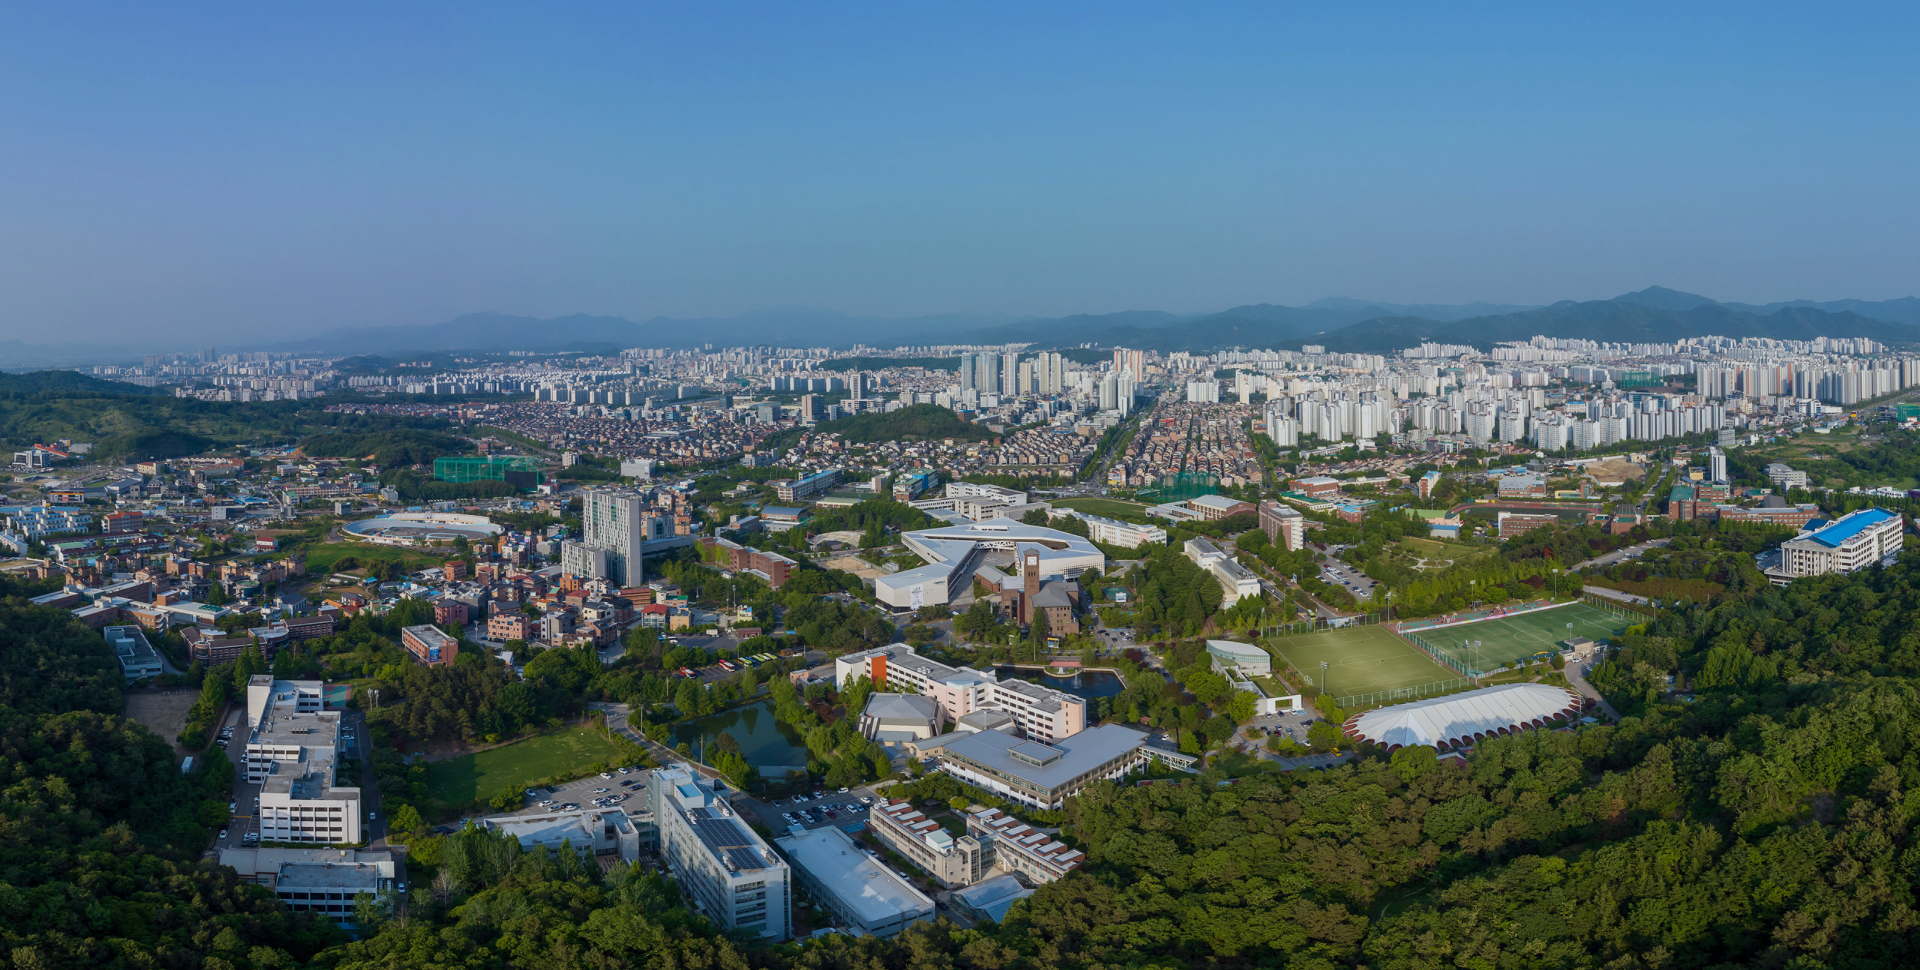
pixel 1323 676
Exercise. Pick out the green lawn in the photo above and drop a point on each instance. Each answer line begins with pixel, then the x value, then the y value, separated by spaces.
pixel 1361 660
pixel 1111 508
pixel 321 558
pixel 1488 644
pixel 561 754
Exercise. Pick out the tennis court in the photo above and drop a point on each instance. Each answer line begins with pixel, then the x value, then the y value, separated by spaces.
pixel 1359 659
pixel 1490 644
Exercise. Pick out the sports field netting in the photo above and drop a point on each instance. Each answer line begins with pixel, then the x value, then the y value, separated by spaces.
pixel 1363 661
pixel 1491 644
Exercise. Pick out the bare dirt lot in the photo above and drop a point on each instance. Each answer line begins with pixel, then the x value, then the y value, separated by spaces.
pixel 163 711
pixel 855 565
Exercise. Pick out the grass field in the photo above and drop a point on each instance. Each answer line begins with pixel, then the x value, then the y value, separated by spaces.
pixel 1520 637
pixel 1108 507
pixel 1360 660
pixel 561 754
pixel 321 558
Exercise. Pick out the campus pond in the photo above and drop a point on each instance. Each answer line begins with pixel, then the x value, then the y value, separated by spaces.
pixel 767 742
pixel 1089 684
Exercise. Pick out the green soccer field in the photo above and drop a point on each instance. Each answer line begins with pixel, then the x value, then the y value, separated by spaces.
pixel 1500 642
pixel 1360 660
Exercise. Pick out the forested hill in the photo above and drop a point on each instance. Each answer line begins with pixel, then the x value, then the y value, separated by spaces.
pixel 916 421
pixel 101 834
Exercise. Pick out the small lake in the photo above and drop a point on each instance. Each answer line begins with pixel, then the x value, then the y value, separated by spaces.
pixel 764 740
pixel 1089 684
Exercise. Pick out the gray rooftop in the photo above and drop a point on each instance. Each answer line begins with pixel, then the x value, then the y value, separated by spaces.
pixel 355 877
pixel 863 886
pixel 728 840
pixel 1065 759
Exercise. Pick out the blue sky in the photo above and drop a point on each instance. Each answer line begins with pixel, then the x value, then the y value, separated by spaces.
pixel 243 171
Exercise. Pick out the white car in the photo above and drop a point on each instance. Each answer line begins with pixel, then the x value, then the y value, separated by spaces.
pixel 600 791
pixel 606 774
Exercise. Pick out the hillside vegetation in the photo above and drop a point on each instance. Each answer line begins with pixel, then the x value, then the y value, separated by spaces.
pixel 404 446
pixel 921 421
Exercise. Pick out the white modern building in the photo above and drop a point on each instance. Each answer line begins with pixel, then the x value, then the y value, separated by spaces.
pixel 1235 580
pixel 1039 774
pixel 1853 541
pixel 1127 535
pixel 598 832
pixel 1039 712
pixel 293 752
pixel 1248 659
pixel 615 527
pixel 726 870
pixel 952 551
pixel 865 897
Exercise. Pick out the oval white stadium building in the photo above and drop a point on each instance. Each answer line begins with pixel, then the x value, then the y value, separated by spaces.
pixel 1459 720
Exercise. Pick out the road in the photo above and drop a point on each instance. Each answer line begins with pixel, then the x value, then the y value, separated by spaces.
pixel 1621 555
pixel 1577 676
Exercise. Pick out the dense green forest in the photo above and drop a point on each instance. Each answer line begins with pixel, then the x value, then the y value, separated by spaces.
pixel 101 833
pixel 401 446
pixel 915 421
pixel 126 422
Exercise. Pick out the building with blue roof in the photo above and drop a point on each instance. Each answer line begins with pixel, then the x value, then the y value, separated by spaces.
pixel 1853 541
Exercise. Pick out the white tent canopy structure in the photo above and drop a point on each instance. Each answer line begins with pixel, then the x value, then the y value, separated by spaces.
pixel 1461 719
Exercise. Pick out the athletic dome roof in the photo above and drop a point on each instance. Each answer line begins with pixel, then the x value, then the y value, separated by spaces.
pixel 1461 719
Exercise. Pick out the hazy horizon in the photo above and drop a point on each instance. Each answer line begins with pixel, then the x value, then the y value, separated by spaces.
pixel 271 173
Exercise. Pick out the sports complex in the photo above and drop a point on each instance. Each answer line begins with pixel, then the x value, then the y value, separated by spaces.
pixel 1371 664
pixel 415 528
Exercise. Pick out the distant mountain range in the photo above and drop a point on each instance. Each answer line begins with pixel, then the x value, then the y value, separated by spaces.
pixel 1340 323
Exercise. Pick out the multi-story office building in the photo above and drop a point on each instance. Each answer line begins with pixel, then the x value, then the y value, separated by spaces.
pixel 726 870
pixel 429 645
pixel 807 486
pixel 921 841
pixel 1043 775
pixel 293 747
pixel 1235 580
pixel 1854 541
pixel 863 895
pixel 1127 535
pixel 1283 524
pixel 1013 845
pixel 1041 713
pixel 770 566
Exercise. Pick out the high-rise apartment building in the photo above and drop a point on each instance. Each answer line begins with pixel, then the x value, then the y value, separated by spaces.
pixel 615 527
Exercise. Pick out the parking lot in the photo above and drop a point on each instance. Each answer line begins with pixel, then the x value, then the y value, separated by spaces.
pixel 1340 574
pixel 619 791
pixel 820 808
